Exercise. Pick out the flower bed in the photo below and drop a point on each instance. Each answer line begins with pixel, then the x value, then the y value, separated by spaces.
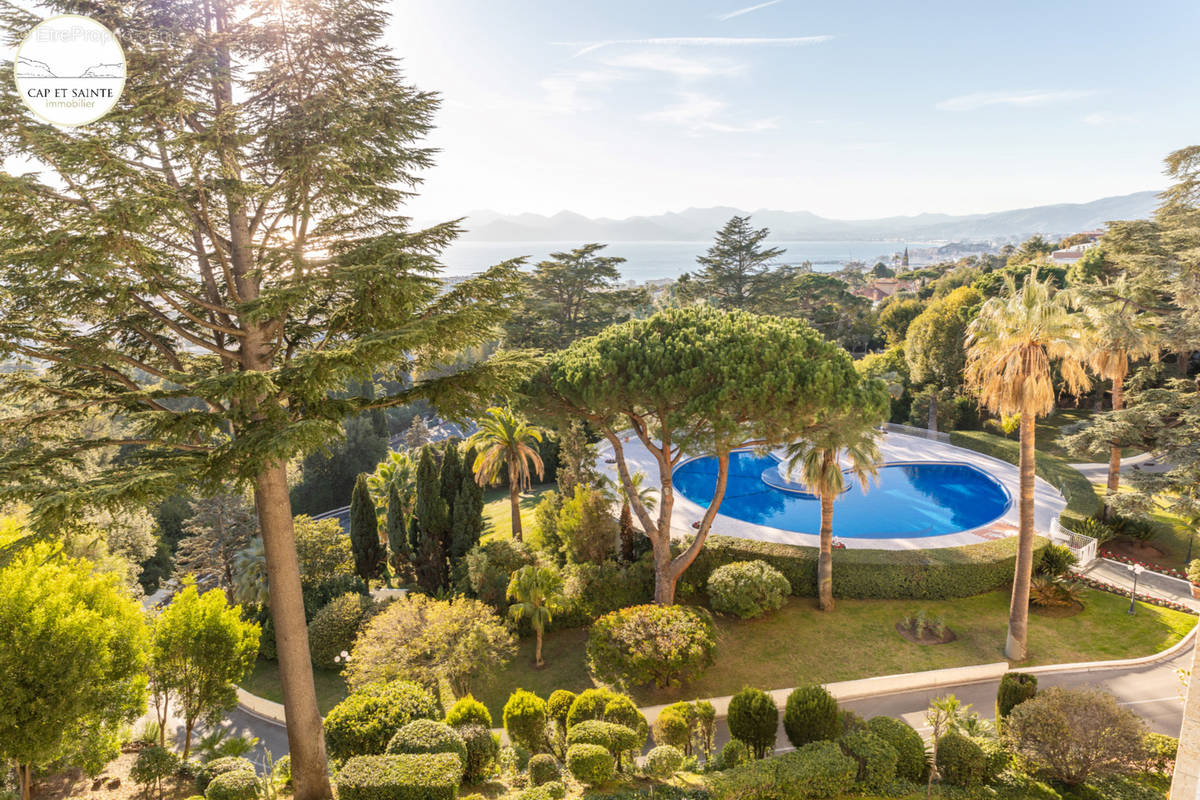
pixel 1113 556
pixel 1145 598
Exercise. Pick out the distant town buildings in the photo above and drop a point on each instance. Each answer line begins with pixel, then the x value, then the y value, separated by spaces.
pixel 882 288
pixel 1069 255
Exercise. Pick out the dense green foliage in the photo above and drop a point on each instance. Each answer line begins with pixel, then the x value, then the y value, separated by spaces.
pixel 468 711
pixel 753 718
pixel 617 738
pixel 367 719
pixel 747 589
pixel 525 720
pixel 817 770
pixel 671 727
pixel 236 785
pixel 428 736
pixel 219 766
pixel 586 527
pixel 663 761
pixel 876 758
pixel 591 764
pixel 935 574
pixel 369 553
pixel 335 627
pixel 909 747
pixel 960 761
pixel 666 645
pixel 424 776
pixel 811 715
pixel 543 769
pixel 482 749
pixel 152 766
pixel 1015 688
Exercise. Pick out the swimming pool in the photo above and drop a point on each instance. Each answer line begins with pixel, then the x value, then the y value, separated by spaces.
pixel 911 500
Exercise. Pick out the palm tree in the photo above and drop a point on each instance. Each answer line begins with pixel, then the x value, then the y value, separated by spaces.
pixel 817 459
pixel 537 592
pixel 504 439
pixel 1118 331
pixel 1010 346
pixel 648 495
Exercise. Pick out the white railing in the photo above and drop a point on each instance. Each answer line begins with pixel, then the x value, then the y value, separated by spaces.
pixel 1084 547
pixel 924 433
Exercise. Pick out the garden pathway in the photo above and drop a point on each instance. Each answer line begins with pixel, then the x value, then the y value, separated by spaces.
pixel 1150 583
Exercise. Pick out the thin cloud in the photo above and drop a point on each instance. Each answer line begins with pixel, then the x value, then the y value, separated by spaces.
pixel 697 113
pixel 976 100
pixel 706 41
pixel 748 10
pixel 679 66
pixel 1101 118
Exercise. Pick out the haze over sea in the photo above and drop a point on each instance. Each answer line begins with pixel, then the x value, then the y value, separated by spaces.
pixel 655 260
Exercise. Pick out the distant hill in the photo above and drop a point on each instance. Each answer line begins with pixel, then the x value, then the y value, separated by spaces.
pixel 698 224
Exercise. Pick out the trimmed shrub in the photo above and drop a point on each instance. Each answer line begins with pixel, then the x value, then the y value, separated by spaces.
pixel 616 738
pixel 663 645
pixel 747 589
pixel 468 711
pixel 818 769
pixel 428 736
pixel 734 752
pixel 935 574
pixel 591 764
pixel 335 627
pixel 558 705
pixel 908 744
pixel 1015 688
pixel 663 761
pixel 997 757
pixel 482 750
pixel 512 758
pixel 672 729
pixel 811 715
pixel 412 776
pixel 875 757
pixel 236 785
pixel 152 765
pixel 621 709
pixel 589 704
pixel 554 790
pixel 219 766
pixel 543 769
pixel 283 770
pixel 754 719
pixel 366 720
pixel 525 720
pixel 960 761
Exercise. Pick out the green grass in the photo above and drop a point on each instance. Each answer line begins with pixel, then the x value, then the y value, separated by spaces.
pixel 799 644
pixel 1170 534
pixel 497 511
pixel 1049 429
pixel 858 640
pixel 1081 496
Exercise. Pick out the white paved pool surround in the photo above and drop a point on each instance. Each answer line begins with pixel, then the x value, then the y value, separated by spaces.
pixel 895 448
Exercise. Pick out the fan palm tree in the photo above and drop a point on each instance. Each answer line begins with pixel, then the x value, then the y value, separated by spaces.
pixel 537 594
pixel 648 495
pixel 817 460
pixel 398 467
pixel 505 439
pixel 1010 347
pixel 1118 331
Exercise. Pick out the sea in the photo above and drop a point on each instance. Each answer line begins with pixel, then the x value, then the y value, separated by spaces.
pixel 651 261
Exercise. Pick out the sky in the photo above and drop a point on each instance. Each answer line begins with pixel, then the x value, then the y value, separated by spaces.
pixel 844 108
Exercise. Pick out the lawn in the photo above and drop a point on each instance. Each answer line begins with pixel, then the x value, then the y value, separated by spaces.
pixel 1170 535
pixel 1049 429
pixel 497 511
pixel 858 640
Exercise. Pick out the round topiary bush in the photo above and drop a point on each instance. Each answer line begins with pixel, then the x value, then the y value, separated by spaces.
pixel 747 589
pixel 908 744
pixel 428 736
pixel 558 705
pixel 875 757
pixel 589 704
pixel 468 711
pixel 1015 688
pixel 153 765
pixel 591 764
pixel 811 715
pixel 525 719
pixel 219 766
pixel 733 753
pixel 663 761
pixel 336 626
pixel 615 738
pixel 364 723
pixel 621 709
pixel 753 718
pixel 818 769
pixel 482 750
pixel 543 769
pixel 672 728
pixel 960 761
pixel 663 645
pixel 238 785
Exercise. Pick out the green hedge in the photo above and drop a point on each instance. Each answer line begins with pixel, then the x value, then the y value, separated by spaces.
pixel 1082 501
pixel 413 776
pixel 936 574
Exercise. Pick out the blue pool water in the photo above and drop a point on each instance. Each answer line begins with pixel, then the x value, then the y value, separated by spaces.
pixel 911 500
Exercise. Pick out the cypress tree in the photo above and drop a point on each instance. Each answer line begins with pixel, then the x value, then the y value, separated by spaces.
pixel 427 532
pixel 397 536
pixel 364 531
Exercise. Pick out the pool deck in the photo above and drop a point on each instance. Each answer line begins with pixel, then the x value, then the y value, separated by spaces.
pixel 895 448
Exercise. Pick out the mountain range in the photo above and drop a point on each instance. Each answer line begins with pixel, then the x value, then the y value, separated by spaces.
pixel 699 224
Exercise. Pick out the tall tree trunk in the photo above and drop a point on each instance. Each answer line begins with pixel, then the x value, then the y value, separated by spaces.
pixel 825 558
pixel 514 498
pixel 933 411
pixel 1185 782
pixel 1114 457
pixel 1018 611
pixel 537 650
pixel 306 742
pixel 664 585
pixel 188 724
